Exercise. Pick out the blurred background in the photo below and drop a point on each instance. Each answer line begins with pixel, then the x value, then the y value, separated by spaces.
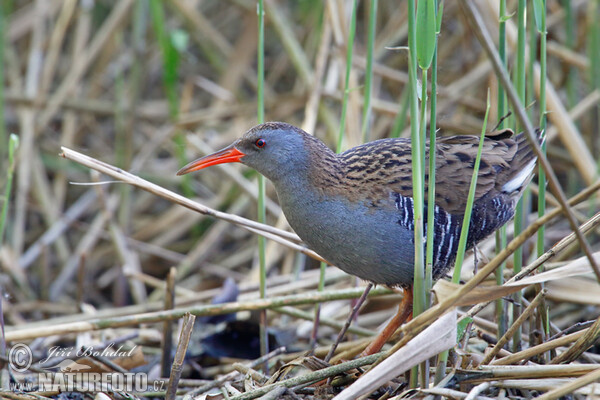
pixel 150 85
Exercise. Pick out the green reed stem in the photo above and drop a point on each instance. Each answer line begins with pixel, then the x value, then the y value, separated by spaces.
pixel 541 24
pixel 426 53
pixel 431 173
pixel 464 232
pixel 170 57
pixel 427 278
pixel 541 172
pixel 522 38
pixel 501 233
pixel 430 200
pixel 431 180
pixel 442 357
pixel 529 83
pixel 366 121
pixel 570 30
pixel 262 217
pixel 417 164
pixel 417 175
pixel 519 77
pixel 13 144
pixel 519 211
pixel 2 50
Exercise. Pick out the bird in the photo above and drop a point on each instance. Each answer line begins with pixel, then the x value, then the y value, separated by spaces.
pixel 356 208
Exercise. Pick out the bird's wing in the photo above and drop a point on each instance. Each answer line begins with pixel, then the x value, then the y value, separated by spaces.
pixel 375 170
pixel 384 167
pixel 455 159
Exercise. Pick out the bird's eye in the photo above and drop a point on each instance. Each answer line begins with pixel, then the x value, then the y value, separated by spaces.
pixel 260 143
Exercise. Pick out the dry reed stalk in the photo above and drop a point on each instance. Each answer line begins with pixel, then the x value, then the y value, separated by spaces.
pixel 202 310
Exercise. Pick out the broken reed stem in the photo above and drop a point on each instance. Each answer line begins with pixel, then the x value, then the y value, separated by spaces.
pixel 581 345
pixel 540 348
pixel 501 372
pixel 178 362
pixel 510 332
pixel 168 325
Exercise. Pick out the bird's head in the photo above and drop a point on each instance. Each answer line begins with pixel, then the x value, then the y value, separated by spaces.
pixel 274 149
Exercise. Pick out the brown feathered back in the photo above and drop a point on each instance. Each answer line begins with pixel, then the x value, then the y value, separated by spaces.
pixel 370 172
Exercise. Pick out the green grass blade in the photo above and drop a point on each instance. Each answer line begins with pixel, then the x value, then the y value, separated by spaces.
pixel 170 58
pixel 439 17
pixel 539 7
pixel 13 144
pixel 426 32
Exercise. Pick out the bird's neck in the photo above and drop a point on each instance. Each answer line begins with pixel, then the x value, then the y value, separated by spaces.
pixel 325 170
pixel 316 170
pixel 316 166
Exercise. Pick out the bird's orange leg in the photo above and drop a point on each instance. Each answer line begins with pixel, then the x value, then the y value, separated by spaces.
pixel 404 313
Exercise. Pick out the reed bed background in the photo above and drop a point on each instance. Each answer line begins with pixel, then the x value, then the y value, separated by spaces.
pixel 145 86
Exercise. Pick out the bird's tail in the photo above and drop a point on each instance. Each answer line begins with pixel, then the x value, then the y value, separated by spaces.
pixel 523 163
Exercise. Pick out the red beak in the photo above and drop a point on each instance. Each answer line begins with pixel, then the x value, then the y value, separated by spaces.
pixel 227 155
